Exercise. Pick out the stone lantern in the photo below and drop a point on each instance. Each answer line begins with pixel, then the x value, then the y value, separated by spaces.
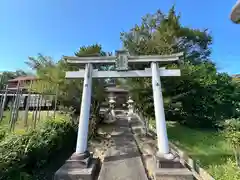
pixel 130 106
pixel 110 115
pixel 112 103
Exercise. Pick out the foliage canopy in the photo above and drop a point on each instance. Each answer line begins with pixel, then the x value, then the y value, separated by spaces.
pixel 201 96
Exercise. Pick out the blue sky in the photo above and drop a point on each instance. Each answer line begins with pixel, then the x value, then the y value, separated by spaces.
pixel 59 27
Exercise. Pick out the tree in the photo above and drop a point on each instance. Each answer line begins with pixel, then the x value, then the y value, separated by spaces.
pixel 201 96
pixel 52 76
pixel 98 84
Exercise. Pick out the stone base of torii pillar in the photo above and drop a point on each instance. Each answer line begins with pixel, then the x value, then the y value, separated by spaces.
pixel 78 166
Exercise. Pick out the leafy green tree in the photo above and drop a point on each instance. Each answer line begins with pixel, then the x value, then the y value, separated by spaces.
pixel 98 84
pixel 52 79
pixel 201 96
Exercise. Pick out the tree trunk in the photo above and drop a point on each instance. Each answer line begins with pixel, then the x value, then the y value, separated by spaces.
pixel 237 156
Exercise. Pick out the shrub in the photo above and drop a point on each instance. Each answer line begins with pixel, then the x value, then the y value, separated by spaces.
pixel 228 171
pixel 2 133
pixel 232 133
pixel 26 154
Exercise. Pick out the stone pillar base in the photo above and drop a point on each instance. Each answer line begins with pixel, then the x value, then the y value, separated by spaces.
pixel 171 169
pixel 78 167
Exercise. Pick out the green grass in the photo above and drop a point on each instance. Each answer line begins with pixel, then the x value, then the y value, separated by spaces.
pixel 19 127
pixel 208 148
pixel 20 122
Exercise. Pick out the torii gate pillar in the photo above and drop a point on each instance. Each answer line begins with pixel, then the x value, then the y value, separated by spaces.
pixel 82 137
pixel 162 139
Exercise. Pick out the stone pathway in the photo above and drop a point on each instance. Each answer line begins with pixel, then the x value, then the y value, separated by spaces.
pixel 122 160
pixel 147 143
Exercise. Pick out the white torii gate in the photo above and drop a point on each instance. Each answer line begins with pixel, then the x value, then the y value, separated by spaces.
pixel 122 59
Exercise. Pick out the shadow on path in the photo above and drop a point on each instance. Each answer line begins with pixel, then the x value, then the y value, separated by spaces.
pixel 122 160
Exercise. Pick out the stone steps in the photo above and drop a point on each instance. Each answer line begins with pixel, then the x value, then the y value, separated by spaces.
pixel 171 170
pixel 173 174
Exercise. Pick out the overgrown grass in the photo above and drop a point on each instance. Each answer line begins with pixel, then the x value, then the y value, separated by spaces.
pixel 210 149
pixel 19 126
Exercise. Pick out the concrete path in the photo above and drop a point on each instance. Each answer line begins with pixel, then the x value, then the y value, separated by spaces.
pixel 122 160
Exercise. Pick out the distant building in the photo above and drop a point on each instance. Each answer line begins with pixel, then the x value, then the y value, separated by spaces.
pixel 120 95
pixel 21 84
pixel 22 81
pixel 236 75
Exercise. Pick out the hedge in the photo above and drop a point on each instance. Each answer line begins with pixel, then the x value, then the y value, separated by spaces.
pixel 29 155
